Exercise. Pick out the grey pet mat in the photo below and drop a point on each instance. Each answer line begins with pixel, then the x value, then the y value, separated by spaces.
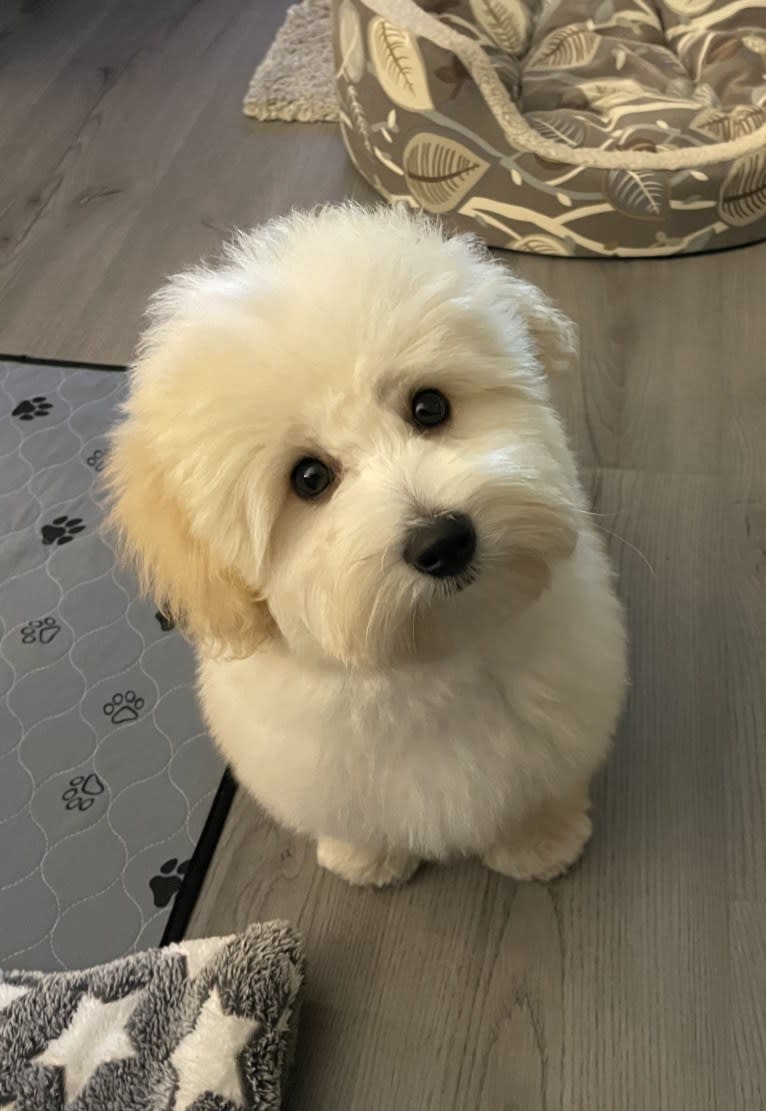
pixel 107 776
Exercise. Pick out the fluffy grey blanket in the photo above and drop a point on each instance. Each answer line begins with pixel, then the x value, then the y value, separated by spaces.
pixel 200 1026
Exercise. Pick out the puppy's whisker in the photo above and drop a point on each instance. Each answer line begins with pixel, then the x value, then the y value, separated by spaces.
pixel 629 544
pixel 594 515
pixel 376 604
pixel 363 559
pixel 371 621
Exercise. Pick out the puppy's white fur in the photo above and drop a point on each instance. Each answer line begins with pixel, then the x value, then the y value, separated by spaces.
pixel 363 703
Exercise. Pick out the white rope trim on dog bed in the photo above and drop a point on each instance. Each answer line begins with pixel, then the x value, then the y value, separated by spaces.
pixel 407 15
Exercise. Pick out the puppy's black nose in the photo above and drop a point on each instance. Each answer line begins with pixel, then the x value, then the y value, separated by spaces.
pixel 443 546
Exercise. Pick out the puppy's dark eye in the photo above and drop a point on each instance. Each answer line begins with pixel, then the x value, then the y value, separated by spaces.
pixel 310 478
pixel 430 408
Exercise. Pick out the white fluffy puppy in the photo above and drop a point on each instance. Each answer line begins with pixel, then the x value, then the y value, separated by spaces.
pixel 340 469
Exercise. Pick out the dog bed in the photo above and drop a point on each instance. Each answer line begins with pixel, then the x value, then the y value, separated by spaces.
pixel 564 127
pixel 109 784
pixel 207 1024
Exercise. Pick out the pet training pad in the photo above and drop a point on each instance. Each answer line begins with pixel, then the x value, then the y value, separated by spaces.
pixel 107 776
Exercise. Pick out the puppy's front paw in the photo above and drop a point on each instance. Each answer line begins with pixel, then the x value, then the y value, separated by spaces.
pixel 545 845
pixel 366 866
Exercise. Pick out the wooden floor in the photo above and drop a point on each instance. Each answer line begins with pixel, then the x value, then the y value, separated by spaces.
pixel 639 983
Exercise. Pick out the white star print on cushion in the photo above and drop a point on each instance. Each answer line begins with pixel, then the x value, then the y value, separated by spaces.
pixel 196 1074
pixel 95 1035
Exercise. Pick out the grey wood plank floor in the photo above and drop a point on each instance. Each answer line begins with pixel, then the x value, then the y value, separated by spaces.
pixel 637 983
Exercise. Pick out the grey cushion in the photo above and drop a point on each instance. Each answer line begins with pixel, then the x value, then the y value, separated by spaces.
pixel 204 1024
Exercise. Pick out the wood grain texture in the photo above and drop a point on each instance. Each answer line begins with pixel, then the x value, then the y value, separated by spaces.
pixel 639 981
pixel 129 158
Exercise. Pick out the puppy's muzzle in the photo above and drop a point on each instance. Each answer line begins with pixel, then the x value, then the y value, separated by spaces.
pixel 441 547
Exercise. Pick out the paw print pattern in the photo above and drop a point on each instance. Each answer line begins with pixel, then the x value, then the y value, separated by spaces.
pixel 40 631
pixel 97 459
pixel 122 708
pixel 62 530
pixel 82 792
pixel 32 407
pixel 167 883
pixel 166 622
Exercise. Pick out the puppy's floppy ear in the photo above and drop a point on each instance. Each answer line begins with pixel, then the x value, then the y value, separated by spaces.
pixel 179 569
pixel 553 334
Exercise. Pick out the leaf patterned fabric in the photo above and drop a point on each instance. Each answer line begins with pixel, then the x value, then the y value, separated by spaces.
pixel 567 127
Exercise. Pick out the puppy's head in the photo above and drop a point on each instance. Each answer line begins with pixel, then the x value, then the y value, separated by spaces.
pixel 342 437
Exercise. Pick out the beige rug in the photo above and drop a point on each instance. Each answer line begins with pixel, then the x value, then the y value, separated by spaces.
pixel 295 81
